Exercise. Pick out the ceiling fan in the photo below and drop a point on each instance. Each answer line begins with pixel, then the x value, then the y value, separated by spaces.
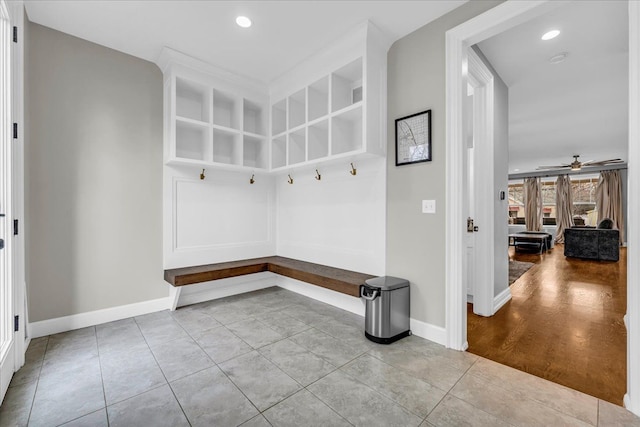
pixel 576 164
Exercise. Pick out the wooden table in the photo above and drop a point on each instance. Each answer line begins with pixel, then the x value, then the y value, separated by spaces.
pixel 521 240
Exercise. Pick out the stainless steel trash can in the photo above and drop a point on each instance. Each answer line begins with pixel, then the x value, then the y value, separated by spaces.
pixel 387 309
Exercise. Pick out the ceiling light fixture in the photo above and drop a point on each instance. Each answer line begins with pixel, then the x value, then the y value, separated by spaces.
pixel 556 59
pixel 550 35
pixel 243 21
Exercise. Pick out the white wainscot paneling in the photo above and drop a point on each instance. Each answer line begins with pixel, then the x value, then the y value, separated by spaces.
pixel 337 221
pixel 220 218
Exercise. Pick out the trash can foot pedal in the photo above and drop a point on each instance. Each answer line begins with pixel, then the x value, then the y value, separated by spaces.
pixel 387 340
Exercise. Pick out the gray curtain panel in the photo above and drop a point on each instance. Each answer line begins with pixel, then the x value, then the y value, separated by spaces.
pixel 609 199
pixel 533 204
pixel 564 206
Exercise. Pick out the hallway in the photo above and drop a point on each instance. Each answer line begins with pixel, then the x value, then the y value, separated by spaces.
pixel 564 323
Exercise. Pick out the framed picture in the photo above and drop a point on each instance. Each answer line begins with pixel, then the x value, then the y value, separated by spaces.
pixel 413 138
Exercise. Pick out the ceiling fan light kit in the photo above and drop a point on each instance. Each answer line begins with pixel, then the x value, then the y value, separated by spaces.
pixel 577 165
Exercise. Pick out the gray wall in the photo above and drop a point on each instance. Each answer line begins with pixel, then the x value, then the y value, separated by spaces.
pixel 416 241
pixel 93 166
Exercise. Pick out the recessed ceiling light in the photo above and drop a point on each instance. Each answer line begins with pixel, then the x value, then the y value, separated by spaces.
pixel 556 59
pixel 516 170
pixel 243 21
pixel 550 35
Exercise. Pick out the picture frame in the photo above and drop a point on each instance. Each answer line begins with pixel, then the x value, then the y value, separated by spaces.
pixel 413 138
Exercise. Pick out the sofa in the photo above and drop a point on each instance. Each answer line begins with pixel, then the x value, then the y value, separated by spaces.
pixel 600 243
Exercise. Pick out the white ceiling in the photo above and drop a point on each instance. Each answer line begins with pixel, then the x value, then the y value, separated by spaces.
pixel 283 33
pixel 579 106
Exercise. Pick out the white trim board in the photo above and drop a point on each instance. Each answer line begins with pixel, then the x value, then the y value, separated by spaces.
pixel 97 317
pixel 215 289
pixel 501 299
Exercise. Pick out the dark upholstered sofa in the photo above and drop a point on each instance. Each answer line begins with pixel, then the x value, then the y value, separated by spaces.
pixel 592 243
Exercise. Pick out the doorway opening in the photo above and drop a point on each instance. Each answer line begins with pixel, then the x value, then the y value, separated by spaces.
pixel 499 19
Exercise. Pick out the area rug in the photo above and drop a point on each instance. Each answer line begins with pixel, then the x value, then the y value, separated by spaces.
pixel 517 269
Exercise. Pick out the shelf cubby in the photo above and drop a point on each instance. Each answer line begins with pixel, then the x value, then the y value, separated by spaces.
pixel 297 106
pixel 346 132
pixel 253 115
pixel 297 147
pixel 318 94
pixel 255 153
pixel 225 110
pixel 279 152
pixel 346 85
pixel 226 147
pixel 192 101
pixel 192 142
pixel 318 143
pixel 279 117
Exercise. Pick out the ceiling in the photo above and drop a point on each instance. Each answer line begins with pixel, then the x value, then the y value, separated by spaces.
pixel 283 34
pixel 578 106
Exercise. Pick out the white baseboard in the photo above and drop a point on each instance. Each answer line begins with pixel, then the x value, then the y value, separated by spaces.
pixel 207 291
pixel 221 288
pixel 428 331
pixel 92 318
pixel 501 299
pixel 345 302
pixel 355 305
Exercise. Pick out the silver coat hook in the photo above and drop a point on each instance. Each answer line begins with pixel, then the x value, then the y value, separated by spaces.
pixel 318 176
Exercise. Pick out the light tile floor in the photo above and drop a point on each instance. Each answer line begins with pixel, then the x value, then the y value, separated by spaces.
pixel 273 357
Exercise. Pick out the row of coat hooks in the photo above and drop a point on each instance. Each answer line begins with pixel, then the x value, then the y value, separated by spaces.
pixel 318 177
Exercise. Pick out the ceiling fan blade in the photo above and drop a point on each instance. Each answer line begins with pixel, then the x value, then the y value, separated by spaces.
pixel 601 162
pixel 553 167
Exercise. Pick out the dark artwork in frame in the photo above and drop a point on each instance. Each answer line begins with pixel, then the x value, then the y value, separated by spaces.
pixel 413 138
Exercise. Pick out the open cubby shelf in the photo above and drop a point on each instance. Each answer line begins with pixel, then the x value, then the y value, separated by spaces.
pixel 322 120
pixel 214 126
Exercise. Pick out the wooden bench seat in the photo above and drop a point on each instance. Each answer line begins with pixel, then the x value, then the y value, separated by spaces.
pixel 336 279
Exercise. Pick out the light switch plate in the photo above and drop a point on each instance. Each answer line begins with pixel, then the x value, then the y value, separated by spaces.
pixel 428 206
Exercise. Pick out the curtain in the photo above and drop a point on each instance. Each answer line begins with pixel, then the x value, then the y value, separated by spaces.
pixel 564 206
pixel 609 199
pixel 533 204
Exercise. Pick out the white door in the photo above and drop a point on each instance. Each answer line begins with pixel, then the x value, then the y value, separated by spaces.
pixel 469 182
pixel 7 343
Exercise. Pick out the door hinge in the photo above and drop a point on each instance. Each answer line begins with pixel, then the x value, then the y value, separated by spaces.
pixel 15 34
pixel 15 131
pixel 15 227
pixel 16 323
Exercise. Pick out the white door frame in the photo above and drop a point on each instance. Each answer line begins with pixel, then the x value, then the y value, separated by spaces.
pixel 22 337
pixel 458 39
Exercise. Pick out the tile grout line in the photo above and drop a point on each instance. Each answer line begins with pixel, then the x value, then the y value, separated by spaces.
pixel 104 393
pixel 161 371
pixel 35 391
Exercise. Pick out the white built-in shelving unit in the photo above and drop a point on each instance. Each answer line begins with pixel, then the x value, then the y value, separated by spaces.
pixel 211 122
pixel 323 120
pixel 331 107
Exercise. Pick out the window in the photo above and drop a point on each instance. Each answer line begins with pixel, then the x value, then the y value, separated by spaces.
pixel 583 190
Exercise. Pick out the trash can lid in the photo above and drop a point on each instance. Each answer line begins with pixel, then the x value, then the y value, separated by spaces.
pixel 387 283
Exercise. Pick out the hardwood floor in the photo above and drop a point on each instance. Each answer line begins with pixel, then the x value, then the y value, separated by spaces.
pixel 564 323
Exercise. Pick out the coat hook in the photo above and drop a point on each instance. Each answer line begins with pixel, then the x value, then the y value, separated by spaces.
pixel 251 180
pixel 202 174
pixel 318 176
pixel 290 180
pixel 353 170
